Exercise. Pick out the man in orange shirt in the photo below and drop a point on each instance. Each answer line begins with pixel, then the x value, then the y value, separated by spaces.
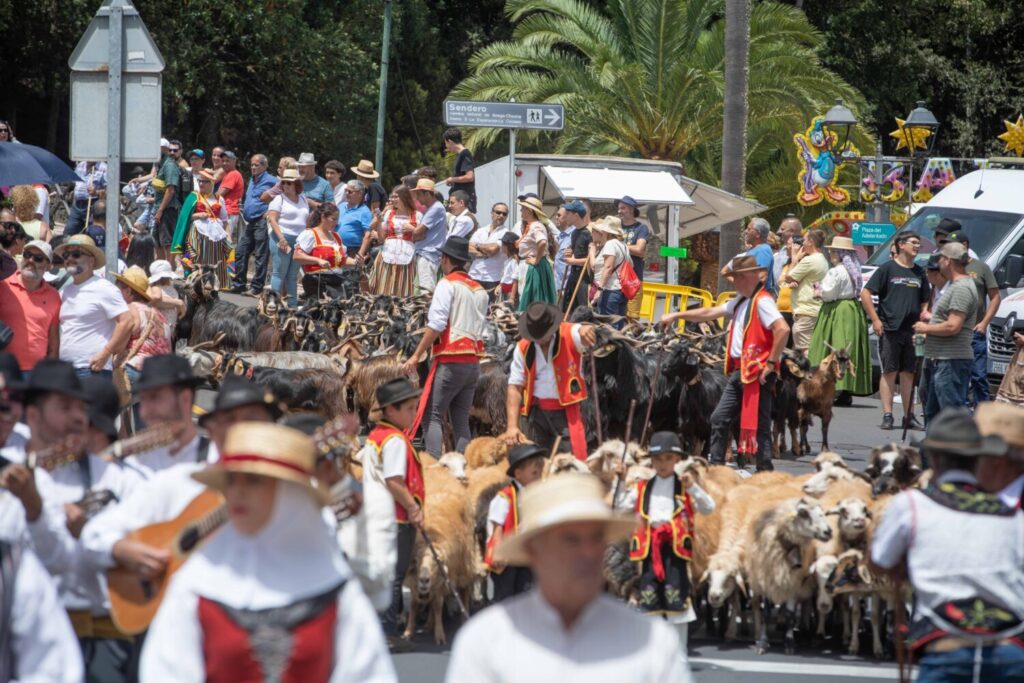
pixel 232 186
pixel 31 308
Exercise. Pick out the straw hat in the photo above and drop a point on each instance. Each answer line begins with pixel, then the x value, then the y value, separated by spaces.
pixel 842 243
pixel 85 243
pixel 364 169
pixel 533 204
pixel 744 263
pixel 1001 419
pixel 267 449
pixel 290 175
pixel 563 499
pixel 134 277
pixel 425 185
pixel 609 225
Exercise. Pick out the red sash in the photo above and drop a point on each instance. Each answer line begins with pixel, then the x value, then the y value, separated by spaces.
pixel 757 346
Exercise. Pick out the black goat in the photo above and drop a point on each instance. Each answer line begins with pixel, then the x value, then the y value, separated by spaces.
pixel 702 387
pixel 785 407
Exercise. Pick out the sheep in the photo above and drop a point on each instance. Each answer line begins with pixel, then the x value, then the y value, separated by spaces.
pixel 484 484
pixel 830 468
pixel 893 468
pixel 817 391
pixel 782 534
pixel 604 462
pixel 456 464
pixel 485 451
pixel 562 463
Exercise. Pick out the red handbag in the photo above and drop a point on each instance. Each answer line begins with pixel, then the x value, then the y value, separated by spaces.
pixel 628 279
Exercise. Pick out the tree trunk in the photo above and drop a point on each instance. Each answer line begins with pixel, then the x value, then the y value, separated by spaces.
pixel 734 124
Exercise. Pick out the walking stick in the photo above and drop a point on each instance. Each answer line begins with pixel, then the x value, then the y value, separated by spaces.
pixel 625 450
pixel 650 401
pixel 444 575
pixel 597 400
pixel 575 291
pixel 909 410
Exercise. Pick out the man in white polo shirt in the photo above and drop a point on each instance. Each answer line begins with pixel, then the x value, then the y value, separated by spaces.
pixel 485 248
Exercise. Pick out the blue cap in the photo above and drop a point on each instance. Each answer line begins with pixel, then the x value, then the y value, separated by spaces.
pixel 576 206
pixel 628 201
pixel 527 196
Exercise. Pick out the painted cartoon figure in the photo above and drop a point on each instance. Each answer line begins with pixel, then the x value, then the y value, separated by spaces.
pixel 938 173
pixel 892 180
pixel 820 167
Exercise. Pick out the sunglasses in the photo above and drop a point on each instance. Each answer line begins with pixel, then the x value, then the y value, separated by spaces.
pixel 37 258
pixel 500 213
pixel 175 151
pixel 5 408
pixel 5 130
pixel 74 254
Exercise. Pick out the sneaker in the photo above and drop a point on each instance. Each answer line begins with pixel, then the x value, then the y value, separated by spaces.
pixel 887 421
pixel 237 289
pixel 910 422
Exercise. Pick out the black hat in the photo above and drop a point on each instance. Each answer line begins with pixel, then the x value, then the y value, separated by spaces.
pixel 456 248
pixel 954 431
pixel 10 372
pixel 51 376
pixel 539 320
pixel 933 261
pixel 104 404
pixel 665 442
pixel 236 391
pixel 307 423
pixel 509 237
pixel 959 236
pixel 947 226
pixel 521 453
pixel 166 370
pixel 397 390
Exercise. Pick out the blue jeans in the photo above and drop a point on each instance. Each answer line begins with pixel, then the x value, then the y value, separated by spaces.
pixel 284 267
pixel 1004 663
pixel 978 389
pixel 947 386
pixel 86 372
pixel 612 302
pixel 76 216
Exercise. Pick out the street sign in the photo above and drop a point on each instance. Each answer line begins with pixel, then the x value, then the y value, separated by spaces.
pixel 872 233
pixel 674 252
pixel 504 115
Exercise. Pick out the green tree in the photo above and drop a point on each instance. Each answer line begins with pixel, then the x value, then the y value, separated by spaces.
pixel 734 122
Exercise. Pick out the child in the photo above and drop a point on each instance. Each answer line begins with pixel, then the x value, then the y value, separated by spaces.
pixel 510 275
pixel 525 466
pixel 162 294
pixel 663 541
pixel 403 476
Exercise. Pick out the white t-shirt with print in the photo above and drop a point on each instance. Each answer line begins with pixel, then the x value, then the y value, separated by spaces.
pixel 619 250
pixel 491 268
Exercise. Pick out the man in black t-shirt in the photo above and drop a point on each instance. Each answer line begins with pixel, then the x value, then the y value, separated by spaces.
pixel 903 291
pixel 574 292
pixel 462 171
pixel 375 196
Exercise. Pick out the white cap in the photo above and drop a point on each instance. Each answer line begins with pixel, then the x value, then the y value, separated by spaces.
pixel 164 142
pixel 41 246
pixel 158 270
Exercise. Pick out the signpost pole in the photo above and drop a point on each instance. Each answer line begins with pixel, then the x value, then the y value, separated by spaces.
pixel 512 206
pixel 113 217
pixel 382 97
pixel 672 240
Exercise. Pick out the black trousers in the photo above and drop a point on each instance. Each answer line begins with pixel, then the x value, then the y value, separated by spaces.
pixel 512 581
pixel 670 595
pixel 727 413
pixel 109 660
pixel 406 540
pixel 544 426
pixel 318 286
pixel 570 303
pixel 252 242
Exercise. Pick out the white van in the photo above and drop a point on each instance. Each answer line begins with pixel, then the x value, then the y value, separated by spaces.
pixel 989 204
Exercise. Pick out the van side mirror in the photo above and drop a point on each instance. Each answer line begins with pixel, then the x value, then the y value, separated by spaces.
pixel 1013 269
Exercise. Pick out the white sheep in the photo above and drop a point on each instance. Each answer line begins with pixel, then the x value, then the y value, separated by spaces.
pixel 456 464
pixel 830 468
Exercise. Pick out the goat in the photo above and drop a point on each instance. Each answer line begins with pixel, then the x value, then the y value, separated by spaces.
pixel 816 393
pixel 604 462
pixel 489 412
pixel 701 387
pixel 893 468
pixel 484 451
pixel 561 463
pixel 364 376
pixel 785 407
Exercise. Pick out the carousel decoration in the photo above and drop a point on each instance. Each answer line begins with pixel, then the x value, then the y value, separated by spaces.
pixel 908 137
pixel 819 174
pixel 892 187
pixel 1014 136
pixel 937 174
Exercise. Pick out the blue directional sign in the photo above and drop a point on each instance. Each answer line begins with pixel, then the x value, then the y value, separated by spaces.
pixel 504 115
pixel 872 233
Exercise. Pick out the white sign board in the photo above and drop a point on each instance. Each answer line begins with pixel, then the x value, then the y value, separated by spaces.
pixel 504 115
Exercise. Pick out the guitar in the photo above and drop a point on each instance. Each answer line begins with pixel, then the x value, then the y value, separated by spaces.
pixel 134 600
pixel 71 448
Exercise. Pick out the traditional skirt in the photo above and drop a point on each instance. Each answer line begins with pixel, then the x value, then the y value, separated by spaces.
pixel 206 252
pixel 1011 390
pixel 539 285
pixel 841 324
pixel 389 279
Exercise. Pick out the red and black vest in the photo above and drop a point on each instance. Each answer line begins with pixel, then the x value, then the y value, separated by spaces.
pixel 510 493
pixel 462 340
pixel 383 433
pixel 757 342
pixel 335 255
pixel 567 364
pixel 682 522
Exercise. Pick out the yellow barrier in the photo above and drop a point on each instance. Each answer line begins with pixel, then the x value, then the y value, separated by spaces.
pixel 676 297
pixel 722 299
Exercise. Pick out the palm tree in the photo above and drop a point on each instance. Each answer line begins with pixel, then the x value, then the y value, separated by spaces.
pixel 646 78
pixel 734 124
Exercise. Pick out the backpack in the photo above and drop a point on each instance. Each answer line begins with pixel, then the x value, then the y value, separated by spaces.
pixel 185 185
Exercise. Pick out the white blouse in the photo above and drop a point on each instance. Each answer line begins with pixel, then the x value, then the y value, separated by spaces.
pixel 837 286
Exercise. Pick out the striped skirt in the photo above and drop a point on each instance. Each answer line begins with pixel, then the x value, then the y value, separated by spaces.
pixel 206 252
pixel 388 279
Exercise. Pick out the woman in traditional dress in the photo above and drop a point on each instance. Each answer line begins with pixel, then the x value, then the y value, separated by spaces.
pixel 200 234
pixel 1011 389
pixel 268 597
pixel 538 280
pixel 394 270
pixel 322 256
pixel 841 322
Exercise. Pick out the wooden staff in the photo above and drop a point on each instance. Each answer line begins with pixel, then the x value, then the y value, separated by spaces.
pixel 625 450
pixel 650 401
pixel 579 280
pixel 597 401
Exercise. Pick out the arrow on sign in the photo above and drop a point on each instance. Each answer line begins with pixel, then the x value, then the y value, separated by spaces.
pixel 552 117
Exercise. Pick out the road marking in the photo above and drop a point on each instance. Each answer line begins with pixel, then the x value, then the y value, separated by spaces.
pixel 799 669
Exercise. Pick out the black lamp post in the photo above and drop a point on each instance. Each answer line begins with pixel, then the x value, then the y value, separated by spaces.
pixel 920 119
pixel 837 118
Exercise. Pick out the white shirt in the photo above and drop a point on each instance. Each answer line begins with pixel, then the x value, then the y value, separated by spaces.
pixel 522 640
pixel 510 271
pixel 291 215
pixel 490 268
pixel 620 252
pixel 43 207
pixel 767 312
pixel 159 459
pixel 392 456
pixel 497 511
pixel 663 502
pixel 544 381
pixel 1011 494
pixel 43 640
pixel 461 225
pixel 87 319
pixel 836 285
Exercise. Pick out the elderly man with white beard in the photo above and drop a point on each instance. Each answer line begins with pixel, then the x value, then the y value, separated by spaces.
pixel 31 307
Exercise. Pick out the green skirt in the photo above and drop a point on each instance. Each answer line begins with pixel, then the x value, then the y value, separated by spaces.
pixel 841 324
pixel 539 285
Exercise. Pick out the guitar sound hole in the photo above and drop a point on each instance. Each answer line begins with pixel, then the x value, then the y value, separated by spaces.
pixel 189 539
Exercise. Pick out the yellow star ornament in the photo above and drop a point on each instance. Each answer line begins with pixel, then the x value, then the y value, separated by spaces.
pixel 1014 136
pixel 917 136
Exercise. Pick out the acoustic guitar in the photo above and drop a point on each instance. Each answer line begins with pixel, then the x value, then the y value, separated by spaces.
pixel 133 600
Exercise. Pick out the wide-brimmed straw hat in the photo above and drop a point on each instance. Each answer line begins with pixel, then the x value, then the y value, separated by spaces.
pixel 134 277
pixel 609 225
pixel 425 185
pixel 842 243
pixel 1003 420
pixel 562 499
pixel 954 431
pixel 744 263
pixel 290 175
pixel 534 204
pixel 539 320
pixel 84 243
pixel 364 169
pixel 267 449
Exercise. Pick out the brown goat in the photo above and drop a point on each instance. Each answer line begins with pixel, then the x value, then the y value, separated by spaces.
pixel 485 451
pixel 365 375
pixel 817 392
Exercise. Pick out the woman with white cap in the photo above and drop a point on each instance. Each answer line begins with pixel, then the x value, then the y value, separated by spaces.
pixel 162 294
pixel 841 322
pixel 538 282
pixel 607 254
pixel 268 596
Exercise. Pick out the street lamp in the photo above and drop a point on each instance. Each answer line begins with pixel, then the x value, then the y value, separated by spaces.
pixel 839 117
pixel 921 125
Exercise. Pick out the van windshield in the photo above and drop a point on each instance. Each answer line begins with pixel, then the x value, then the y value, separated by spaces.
pixel 984 229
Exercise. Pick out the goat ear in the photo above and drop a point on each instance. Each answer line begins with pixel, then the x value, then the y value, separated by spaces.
pixel 703 577
pixel 803 512
pixel 871 471
pixel 865 575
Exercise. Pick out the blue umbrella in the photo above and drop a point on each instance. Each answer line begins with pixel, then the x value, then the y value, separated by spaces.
pixel 22 164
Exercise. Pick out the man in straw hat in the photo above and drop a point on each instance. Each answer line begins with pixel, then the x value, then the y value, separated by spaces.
pixel 545 382
pixel 963 557
pixel 375 196
pixel 269 596
pixel 1003 476
pixel 755 344
pixel 565 628
pixel 94 319
pixel 429 234
pixel 455 336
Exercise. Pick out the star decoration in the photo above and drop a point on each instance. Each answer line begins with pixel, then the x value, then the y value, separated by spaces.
pixel 1014 136
pixel 918 136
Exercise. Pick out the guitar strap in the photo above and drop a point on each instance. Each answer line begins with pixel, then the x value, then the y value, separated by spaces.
pixel 203 450
pixel 83 466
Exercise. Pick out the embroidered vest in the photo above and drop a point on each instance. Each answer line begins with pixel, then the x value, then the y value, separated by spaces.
pixel 381 434
pixel 507 529
pixel 682 522
pixel 333 254
pixel 567 364
pixel 291 644
pixel 392 234
pixel 462 340
pixel 757 342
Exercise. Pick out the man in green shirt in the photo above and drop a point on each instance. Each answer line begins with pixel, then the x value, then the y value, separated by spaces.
pixel 947 343
pixel 165 186
pixel 805 274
